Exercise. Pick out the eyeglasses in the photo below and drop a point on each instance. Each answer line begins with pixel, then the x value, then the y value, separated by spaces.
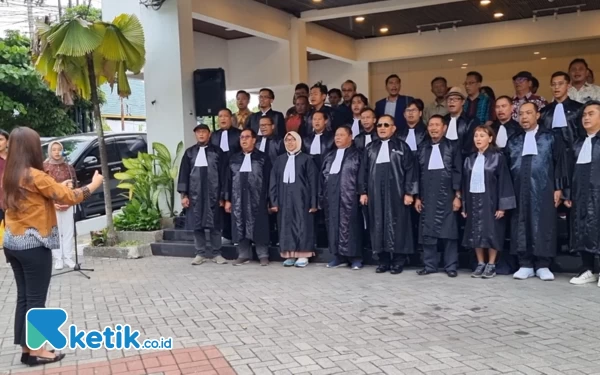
pixel 383 125
pixel 558 84
pixel 521 80
pixel 453 99
pixel 245 136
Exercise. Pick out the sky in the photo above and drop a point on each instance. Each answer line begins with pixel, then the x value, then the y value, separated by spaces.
pixel 13 13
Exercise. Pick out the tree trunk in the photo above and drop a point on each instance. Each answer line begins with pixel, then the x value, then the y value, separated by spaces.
pixel 111 235
pixel 30 20
pixel 59 10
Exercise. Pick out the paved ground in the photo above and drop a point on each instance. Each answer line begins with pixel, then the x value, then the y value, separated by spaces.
pixel 319 321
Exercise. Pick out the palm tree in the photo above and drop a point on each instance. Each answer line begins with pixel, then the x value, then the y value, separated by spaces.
pixel 76 56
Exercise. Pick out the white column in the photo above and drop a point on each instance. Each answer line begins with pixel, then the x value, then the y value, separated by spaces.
pixel 298 62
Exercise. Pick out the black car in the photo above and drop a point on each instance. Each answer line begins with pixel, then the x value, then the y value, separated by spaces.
pixel 83 153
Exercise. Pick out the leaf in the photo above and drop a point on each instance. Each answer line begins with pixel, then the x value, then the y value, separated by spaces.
pixel 123 176
pixel 162 151
pixel 76 38
pixel 125 186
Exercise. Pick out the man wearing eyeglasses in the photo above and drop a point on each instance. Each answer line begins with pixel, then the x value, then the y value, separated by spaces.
pixel 265 101
pixel 477 104
pixel 415 131
pixel 562 115
pixel 523 82
pixel 460 125
pixel 245 189
pixel 388 182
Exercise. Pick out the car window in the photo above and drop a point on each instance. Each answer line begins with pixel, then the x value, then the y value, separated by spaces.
pixel 130 147
pixel 73 148
pixel 111 151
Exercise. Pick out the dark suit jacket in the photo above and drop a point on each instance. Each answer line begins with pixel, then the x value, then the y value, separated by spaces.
pixel 401 104
pixel 277 117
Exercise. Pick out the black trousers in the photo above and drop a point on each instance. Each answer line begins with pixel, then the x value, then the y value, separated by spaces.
pixel 527 260
pixel 32 269
pixel 588 262
pixel 389 259
pixel 431 259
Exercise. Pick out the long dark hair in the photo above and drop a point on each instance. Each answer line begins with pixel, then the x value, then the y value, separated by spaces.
pixel 25 152
pixel 489 131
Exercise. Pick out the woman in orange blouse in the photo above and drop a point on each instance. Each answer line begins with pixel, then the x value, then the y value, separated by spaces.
pixel 31 231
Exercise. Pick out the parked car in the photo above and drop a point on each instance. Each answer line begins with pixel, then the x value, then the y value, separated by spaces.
pixel 83 153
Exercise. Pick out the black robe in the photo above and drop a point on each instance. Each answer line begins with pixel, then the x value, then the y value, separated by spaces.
pixel 334 120
pixel 233 138
pixel 535 178
pixel 574 128
pixel 585 195
pixel 420 133
pixel 277 118
pixel 327 144
pixel 360 139
pixel 202 185
pixel 465 128
pixel 340 199
pixel 482 229
pixel 437 190
pixel 248 194
pixel 295 223
pixel 273 147
pixel 386 184
pixel 512 127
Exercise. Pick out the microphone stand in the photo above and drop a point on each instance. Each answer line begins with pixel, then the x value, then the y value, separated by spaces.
pixel 77 267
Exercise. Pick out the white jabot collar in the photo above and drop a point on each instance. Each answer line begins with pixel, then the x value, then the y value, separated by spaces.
pixel 435 160
pixel 355 128
pixel 530 144
pixel 337 162
pixel 585 155
pixel 452 132
pixel 225 141
pixel 289 173
pixel 384 152
pixel 411 139
pixel 315 146
pixel 502 136
pixel 201 157
pixel 477 183
pixel 247 163
pixel 559 120
pixel 263 144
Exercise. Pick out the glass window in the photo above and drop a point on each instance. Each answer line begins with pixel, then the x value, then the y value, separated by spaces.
pixel 130 147
pixel 73 147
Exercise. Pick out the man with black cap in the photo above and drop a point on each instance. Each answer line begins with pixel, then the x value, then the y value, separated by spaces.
pixel 460 125
pixel 200 188
pixel 523 82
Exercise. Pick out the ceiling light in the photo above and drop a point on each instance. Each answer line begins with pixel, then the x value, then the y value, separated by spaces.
pixel 485 2
pixel 544 58
pixel 465 64
pixel 450 59
pixel 384 30
pixel 463 67
pixel 228 29
pixel 437 28
pixel 498 15
pixel 316 1
pixel 536 53
pixel 359 19
pixel 419 31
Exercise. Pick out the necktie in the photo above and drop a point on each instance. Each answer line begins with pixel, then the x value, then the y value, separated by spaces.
pixel 246 164
pixel 502 136
pixel 289 173
pixel 368 139
pixel 559 119
pixel 355 128
pixel 477 184
pixel 337 162
pixel 452 132
pixel 585 155
pixel 384 153
pixel 530 145
pixel 411 139
pixel 263 144
pixel 315 146
pixel 201 158
pixel 224 141
pixel 435 160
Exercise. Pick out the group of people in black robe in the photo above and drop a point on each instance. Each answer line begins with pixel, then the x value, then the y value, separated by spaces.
pixel 399 189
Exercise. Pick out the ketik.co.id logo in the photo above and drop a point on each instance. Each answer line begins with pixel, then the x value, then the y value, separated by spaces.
pixel 43 325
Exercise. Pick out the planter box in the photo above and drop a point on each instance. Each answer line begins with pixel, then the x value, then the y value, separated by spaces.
pixel 129 252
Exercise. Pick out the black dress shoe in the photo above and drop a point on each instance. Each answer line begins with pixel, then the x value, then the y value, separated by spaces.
pixel 452 273
pixel 25 356
pixel 423 272
pixel 382 268
pixel 396 269
pixel 39 361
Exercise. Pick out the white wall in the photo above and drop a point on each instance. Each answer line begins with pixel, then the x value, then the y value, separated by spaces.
pixel 333 73
pixel 211 52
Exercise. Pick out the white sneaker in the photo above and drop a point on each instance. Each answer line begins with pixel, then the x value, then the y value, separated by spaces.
pixel 69 263
pixel 524 273
pixel 58 264
pixel 544 274
pixel 586 277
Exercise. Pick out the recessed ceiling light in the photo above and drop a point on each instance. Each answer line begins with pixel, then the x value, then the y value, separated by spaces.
pixel 384 30
pixel 465 64
pixel 485 2
pixel 316 1
pixel 359 19
pixel 450 59
pixel 543 58
pixel 536 53
pixel 228 29
pixel 463 67
pixel 498 15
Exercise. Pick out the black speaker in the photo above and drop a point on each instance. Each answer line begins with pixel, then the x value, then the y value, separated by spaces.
pixel 209 91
